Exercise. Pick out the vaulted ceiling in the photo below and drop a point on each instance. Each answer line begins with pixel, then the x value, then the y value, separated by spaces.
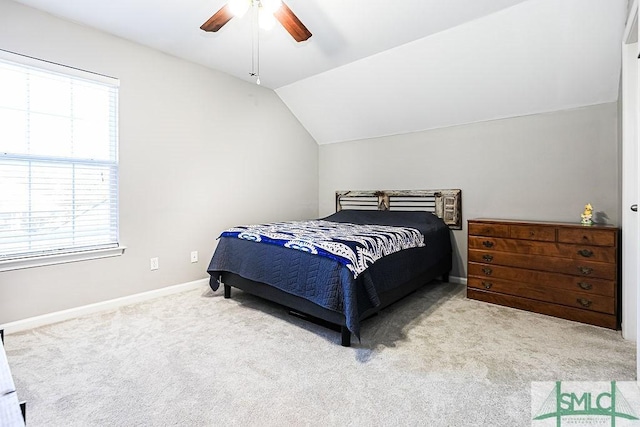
pixel 381 67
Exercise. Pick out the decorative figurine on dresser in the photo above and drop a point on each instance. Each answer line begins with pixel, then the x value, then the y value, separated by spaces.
pixel 559 269
pixel 587 215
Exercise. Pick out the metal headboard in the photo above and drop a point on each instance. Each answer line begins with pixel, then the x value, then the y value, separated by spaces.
pixel 446 204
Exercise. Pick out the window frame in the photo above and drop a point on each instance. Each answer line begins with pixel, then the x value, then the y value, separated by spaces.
pixel 69 254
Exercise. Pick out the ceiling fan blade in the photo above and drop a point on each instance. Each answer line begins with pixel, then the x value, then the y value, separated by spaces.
pixel 291 23
pixel 218 20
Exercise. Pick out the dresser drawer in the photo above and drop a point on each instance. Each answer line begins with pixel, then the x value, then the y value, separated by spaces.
pixel 541 292
pixel 554 280
pixel 578 314
pixel 484 229
pixel 557 265
pixel 587 235
pixel 533 232
pixel 562 250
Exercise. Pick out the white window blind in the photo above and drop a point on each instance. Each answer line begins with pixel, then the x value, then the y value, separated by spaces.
pixel 58 161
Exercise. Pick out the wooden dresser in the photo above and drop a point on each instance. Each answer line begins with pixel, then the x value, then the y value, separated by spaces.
pixel 560 269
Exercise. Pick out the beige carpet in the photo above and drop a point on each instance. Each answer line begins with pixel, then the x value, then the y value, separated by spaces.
pixel 196 359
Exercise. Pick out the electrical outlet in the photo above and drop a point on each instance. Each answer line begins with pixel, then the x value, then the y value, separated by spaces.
pixel 194 256
pixel 154 263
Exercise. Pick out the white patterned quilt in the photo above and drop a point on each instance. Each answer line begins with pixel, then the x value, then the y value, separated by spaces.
pixel 355 246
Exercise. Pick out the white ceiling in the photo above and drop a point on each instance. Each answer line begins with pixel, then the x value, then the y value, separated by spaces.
pixel 381 67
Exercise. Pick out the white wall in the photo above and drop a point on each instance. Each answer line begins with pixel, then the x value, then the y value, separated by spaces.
pixel 539 167
pixel 199 151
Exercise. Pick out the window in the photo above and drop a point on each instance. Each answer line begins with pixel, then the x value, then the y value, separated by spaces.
pixel 58 163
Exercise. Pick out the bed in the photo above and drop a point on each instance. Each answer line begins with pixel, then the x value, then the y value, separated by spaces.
pixel 329 280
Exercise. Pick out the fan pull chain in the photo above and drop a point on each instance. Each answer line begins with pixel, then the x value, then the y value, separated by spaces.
pixel 255 41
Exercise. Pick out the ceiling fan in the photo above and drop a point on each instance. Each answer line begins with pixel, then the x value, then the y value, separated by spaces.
pixel 268 8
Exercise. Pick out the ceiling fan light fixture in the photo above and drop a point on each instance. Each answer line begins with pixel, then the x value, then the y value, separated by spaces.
pixel 239 7
pixel 270 6
pixel 264 14
pixel 266 20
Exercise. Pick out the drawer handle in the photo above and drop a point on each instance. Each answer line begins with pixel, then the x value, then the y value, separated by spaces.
pixel 585 253
pixel 487 285
pixel 487 244
pixel 487 258
pixel 487 271
pixel 532 233
pixel 585 270
pixel 585 286
pixel 584 302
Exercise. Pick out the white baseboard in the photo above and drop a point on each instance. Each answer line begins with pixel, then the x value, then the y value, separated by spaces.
pixel 72 313
pixel 456 279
